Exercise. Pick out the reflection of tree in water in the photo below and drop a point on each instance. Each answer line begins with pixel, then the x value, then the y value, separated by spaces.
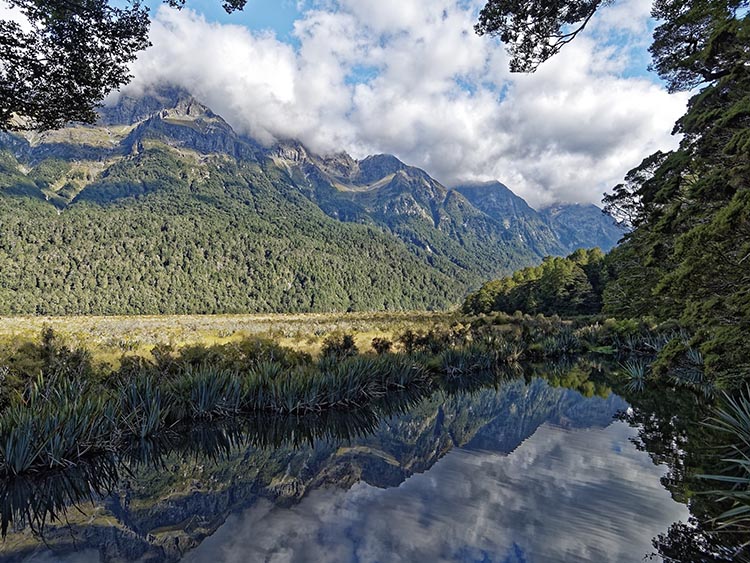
pixel 697 542
pixel 671 430
pixel 181 487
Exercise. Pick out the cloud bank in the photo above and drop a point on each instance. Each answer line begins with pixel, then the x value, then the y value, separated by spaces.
pixel 413 79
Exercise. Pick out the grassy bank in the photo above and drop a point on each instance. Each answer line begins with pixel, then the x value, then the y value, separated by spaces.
pixel 108 338
pixel 61 400
pixel 59 403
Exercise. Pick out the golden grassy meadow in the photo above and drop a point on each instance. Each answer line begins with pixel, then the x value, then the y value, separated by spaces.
pixel 108 338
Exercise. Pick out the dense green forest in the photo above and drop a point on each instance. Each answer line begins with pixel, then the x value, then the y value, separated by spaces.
pixel 163 208
pixel 558 286
pixel 686 258
pixel 150 239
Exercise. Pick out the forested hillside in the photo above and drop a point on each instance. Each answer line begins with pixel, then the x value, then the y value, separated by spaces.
pixel 163 208
pixel 687 258
pixel 558 286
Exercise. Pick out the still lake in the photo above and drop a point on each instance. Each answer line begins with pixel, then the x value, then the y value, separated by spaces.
pixel 519 472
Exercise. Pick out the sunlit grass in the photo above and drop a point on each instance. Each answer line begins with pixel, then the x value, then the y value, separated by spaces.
pixel 108 338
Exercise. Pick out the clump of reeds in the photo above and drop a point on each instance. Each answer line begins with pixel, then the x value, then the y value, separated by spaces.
pixel 636 371
pixel 457 362
pixel 144 410
pixel 334 384
pixel 204 392
pixel 54 425
pixel 71 414
pixel 732 419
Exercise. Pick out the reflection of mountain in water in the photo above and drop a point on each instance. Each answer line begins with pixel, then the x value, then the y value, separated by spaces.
pixel 159 514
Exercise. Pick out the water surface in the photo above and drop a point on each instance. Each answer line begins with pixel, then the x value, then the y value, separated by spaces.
pixel 523 472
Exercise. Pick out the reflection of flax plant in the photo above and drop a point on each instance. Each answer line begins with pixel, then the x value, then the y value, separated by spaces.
pixel 37 499
pixel 690 373
pixel 636 371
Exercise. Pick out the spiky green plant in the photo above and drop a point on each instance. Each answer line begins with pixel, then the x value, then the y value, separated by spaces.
pixel 456 362
pixel 54 427
pixel 636 371
pixel 204 392
pixel 144 412
pixel 732 419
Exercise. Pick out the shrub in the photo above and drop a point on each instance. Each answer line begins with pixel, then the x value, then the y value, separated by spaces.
pixel 381 345
pixel 339 346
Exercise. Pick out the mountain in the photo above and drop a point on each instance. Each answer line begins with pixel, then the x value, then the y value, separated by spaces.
pixel 556 230
pixel 578 226
pixel 517 217
pixel 162 207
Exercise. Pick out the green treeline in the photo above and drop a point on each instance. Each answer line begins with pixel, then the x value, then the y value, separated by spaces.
pixel 160 234
pixel 558 286
pixel 687 257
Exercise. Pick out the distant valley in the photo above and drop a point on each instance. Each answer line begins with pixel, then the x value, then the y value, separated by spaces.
pixel 163 208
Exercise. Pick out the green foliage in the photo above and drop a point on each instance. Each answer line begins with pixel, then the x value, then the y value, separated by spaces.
pixel 432 341
pixel 72 414
pixel 339 346
pixel 636 371
pixel 563 286
pixel 732 420
pixel 534 31
pixel 68 57
pixel 204 393
pixel 694 43
pixel 56 423
pixel 381 345
pixel 144 410
pixel 686 259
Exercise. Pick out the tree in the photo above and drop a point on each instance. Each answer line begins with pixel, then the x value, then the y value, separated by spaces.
pixel 685 45
pixel 63 57
pixel 535 30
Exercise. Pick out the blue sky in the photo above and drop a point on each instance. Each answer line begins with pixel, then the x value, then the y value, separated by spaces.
pixel 258 15
pixel 411 78
pixel 278 17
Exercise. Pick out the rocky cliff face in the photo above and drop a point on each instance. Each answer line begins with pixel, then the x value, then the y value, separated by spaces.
pixel 556 230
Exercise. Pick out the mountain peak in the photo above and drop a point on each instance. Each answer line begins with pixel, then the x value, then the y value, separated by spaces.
pixel 582 224
pixel 340 165
pixel 188 107
pixel 378 166
pixel 495 197
pixel 131 108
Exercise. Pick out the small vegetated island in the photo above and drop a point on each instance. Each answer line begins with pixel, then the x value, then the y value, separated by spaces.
pixel 158 207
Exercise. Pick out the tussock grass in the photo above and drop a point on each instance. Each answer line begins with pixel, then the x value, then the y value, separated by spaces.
pixel 108 338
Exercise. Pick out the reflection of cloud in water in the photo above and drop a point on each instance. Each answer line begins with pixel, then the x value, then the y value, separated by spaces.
pixel 582 495
pixel 88 556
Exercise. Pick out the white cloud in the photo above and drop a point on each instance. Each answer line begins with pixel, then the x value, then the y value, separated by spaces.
pixel 411 78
